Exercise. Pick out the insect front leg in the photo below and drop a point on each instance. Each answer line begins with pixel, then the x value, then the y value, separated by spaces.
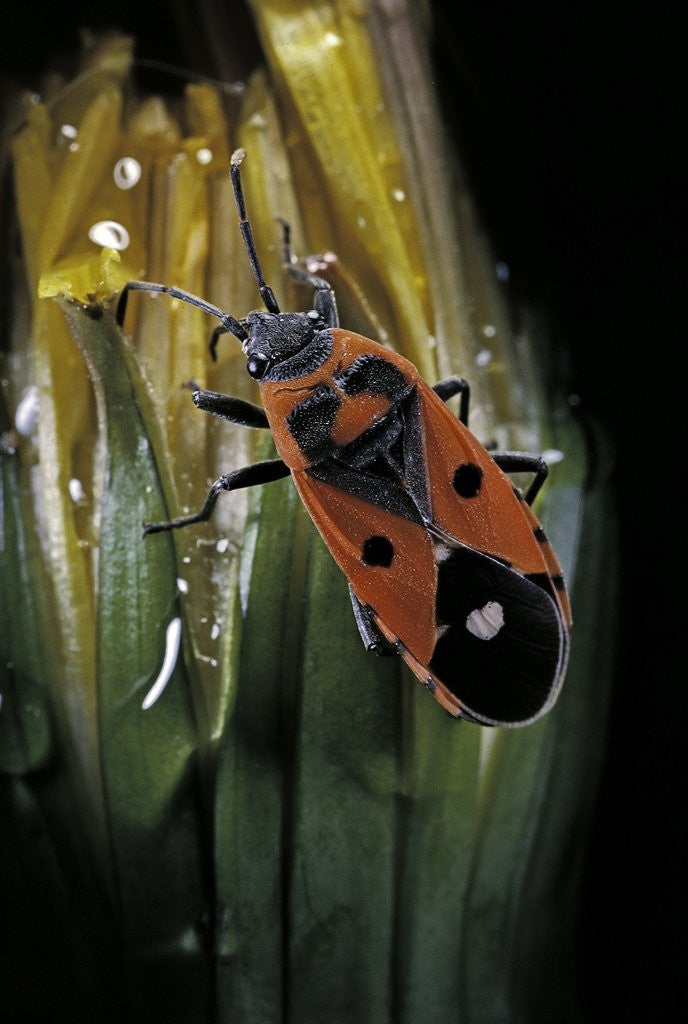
pixel 236 410
pixel 524 462
pixel 248 476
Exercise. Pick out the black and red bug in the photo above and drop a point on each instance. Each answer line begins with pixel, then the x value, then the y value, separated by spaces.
pixel 446 563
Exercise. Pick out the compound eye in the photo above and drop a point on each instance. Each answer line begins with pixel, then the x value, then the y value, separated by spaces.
pixel 256 366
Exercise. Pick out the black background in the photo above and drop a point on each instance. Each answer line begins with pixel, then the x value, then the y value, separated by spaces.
pixel 569 117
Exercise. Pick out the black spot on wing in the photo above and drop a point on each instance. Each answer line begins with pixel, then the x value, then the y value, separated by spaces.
pixel 378 550
pixel 508 678
pixel 468 479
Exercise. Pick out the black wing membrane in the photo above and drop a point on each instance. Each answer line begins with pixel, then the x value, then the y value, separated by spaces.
pixel 502 647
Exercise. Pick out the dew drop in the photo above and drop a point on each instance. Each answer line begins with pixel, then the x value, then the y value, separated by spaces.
pixel 172 643
pixel 204 155
pixel 26 416
pixel 76 490
pixel 552 456
pixel 109 233
pixel 126 172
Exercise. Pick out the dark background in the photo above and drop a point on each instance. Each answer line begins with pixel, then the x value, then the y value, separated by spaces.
pixel 571 123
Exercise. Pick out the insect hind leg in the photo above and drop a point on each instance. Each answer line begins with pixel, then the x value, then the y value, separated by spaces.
pixel 372 638
pixel 524 462
pixel 248 476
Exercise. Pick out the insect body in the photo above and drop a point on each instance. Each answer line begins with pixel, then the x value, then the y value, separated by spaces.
pixel 446 563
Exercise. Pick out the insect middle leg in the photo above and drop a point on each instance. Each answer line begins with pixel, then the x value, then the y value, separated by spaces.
pixel 248 476
pixel 451 386
pixel 236 410
pixel 510 462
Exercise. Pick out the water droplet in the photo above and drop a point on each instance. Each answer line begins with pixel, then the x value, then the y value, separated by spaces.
pixel 222 545
pixel 489 330
pixel 204 155
pixel 398 194
pixel 361 221
pixel 215 631
pixel 332 39
pixel 76 490
pixel 552 456
pixel 69 131
pixel 26 416
pixel 172 644
pixel 182 585
pixel 126 172
pixel 483 357
pixel 109 233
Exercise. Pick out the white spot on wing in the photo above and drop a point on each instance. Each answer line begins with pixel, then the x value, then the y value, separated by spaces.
pixel 487 621
pixel 442 552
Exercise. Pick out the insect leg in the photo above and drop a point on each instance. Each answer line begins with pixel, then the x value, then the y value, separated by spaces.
pixel 236 410
pixel 524 462
pixel 324 301
pixel 372 638
pixel 249 476
pixel 451 386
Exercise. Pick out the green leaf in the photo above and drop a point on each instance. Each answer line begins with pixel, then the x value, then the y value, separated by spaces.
pixel 27 739
pixel 150 769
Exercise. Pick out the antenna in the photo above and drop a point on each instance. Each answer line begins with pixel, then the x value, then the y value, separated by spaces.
pixel 266 292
